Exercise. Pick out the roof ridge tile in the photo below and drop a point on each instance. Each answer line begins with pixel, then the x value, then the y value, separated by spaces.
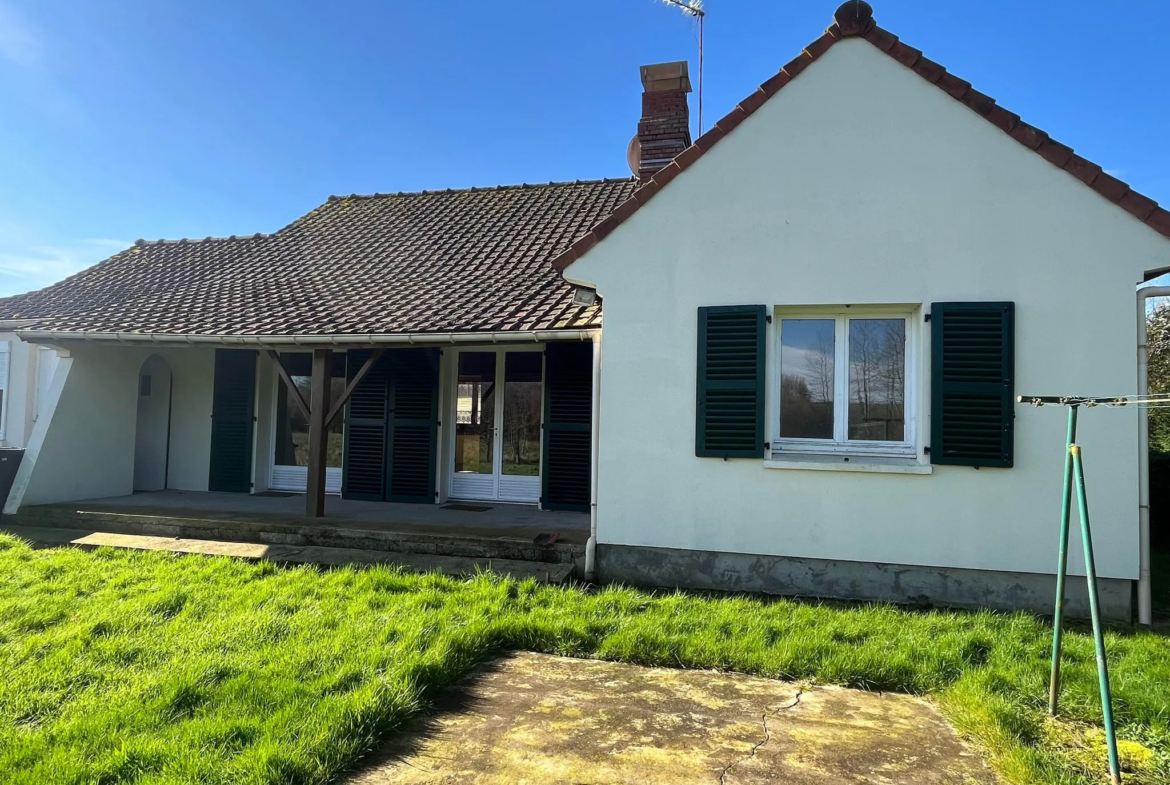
pixel 484 188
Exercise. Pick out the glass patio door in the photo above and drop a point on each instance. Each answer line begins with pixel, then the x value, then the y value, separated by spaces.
pixel 498 402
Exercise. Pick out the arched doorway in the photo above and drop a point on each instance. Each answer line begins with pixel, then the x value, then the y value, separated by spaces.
pixel 152 438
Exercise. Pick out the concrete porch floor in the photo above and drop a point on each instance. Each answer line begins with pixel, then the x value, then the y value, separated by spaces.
pixel 501 521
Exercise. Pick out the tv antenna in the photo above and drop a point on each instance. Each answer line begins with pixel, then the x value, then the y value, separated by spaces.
pixel 694 9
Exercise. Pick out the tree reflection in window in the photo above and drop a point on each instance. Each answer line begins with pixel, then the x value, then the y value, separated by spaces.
pixel 292 429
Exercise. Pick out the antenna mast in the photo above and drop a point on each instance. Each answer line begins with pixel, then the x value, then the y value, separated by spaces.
pixel 694 8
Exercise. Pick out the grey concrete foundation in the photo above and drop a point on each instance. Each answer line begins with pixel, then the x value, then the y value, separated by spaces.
pixel 850 580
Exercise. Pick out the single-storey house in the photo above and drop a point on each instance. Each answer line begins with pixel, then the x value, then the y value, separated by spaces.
pixel 817 317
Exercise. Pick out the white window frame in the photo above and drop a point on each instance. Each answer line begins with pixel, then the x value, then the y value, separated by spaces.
pixel 840 444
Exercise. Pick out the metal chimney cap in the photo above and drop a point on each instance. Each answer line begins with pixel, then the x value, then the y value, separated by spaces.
pixel 666 76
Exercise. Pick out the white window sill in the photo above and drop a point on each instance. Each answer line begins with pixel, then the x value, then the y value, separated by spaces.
pixel 841 463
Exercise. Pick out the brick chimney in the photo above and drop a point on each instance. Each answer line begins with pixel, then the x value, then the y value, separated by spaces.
pixel 665 128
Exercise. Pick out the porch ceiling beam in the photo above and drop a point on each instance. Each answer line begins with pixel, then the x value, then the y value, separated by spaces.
pixel 292 387
pixel 339 404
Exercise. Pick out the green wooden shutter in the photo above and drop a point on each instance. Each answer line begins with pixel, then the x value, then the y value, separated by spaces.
pixel 363 473
pixel 972 384
pixel 232 416
pixel 413 417
pixel 568 416
pixel 729 416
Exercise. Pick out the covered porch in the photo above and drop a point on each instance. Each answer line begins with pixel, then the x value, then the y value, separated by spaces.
pixel 379 431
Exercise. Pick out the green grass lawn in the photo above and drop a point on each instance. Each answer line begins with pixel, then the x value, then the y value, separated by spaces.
pixel 129 667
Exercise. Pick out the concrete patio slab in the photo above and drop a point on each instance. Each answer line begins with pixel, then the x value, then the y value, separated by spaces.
pixel 537 719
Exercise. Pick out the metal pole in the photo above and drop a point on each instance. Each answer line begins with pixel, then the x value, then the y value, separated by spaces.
pixel 1095 610
pixel 1062 563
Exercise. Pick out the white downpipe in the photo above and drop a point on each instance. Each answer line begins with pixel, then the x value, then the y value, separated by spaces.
pixel 1145 605
pixel 594 461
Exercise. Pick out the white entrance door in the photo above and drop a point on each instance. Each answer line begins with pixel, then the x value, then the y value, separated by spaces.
pixel 499 396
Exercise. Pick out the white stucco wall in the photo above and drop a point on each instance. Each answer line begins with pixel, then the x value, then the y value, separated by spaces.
pixel 862 183
pixel 83 444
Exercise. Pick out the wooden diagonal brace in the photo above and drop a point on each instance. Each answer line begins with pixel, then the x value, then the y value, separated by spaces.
pixel 339 404
pixel 298 398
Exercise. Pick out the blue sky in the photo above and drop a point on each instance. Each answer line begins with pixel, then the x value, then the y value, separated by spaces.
pixel 122 119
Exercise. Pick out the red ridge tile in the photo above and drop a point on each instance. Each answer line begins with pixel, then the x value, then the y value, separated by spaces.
pixel 953 85
pixel 1055 153
pixel 707 140
pixel 1084 170
pixel 644 194
pixel 1003 119
pixel 820 46
pixel 1159 220
pixel 797 64
pixel 731 119
pixel 882 39
pixel 773 85
pixel 1138 205
pixel 753 102
pixel 667 173
pixel 906 55
pixel 981 103
pixel 686 158
pixel 1109 186
pixel 1027 135
pixel 584 244
pixel 928 69
pixel 625 209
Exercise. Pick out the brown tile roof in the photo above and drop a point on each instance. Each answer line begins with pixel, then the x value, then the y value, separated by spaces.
pixel 854 19
pixel 437 261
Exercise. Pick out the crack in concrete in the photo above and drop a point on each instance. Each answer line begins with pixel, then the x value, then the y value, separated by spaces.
pixel 767 737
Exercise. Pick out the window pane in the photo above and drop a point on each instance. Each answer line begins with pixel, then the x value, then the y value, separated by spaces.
pixel 877 379
pixel 292 429
pixel 806 378
pixel 522 404
pixel 475 412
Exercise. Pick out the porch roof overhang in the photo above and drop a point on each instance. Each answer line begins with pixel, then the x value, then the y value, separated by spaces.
pixel 33 335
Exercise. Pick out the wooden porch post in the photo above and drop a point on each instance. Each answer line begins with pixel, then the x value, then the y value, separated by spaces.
pixel 318 433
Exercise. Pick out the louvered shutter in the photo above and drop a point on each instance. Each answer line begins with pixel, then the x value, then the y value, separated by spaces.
pixel 729 416
pixel 363 473
pixel 568 413
pixel 413 417
pixel 232 404
pixel 972 384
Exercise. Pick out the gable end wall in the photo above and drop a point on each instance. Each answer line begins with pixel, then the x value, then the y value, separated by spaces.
pixel 861 183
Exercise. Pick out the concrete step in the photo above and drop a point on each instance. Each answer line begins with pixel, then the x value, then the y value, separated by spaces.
pixel 291 554
pixel 279 530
